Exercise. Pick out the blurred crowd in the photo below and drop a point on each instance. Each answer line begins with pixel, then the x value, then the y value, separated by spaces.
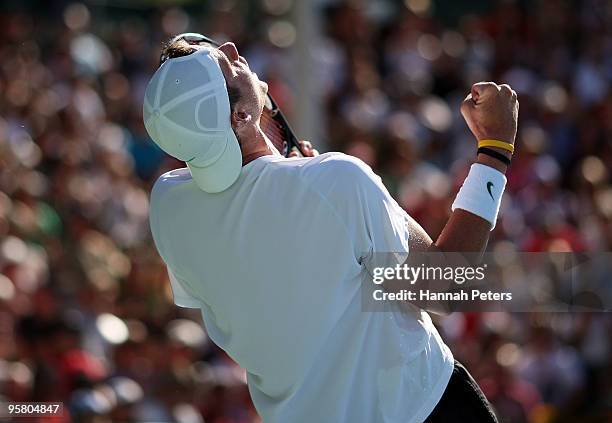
pixel 86 313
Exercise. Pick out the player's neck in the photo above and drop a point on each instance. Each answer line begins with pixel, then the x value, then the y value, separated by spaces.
pixel 260 145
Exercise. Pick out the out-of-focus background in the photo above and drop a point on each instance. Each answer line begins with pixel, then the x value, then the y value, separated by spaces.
pixel 86 314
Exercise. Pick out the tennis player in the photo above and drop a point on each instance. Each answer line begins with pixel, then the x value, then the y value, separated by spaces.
pixel 272 250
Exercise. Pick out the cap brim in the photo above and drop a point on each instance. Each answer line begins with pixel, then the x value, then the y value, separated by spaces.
pixel 221 174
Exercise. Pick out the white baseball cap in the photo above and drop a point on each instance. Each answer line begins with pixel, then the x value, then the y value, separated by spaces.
pixel 187 113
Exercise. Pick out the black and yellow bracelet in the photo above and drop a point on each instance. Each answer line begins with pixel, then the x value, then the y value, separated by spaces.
pixel 495 154
pixel 498 144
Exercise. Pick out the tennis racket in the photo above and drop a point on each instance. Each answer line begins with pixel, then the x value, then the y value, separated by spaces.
pixel 273 122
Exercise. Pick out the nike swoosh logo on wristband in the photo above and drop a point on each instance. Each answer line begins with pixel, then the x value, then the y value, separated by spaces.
pixel 489 186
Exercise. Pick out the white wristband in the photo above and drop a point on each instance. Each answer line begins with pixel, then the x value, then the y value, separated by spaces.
pixel 481 192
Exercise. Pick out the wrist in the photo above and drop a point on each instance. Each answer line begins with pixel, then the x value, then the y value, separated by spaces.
pixel 481 192
pixel 493 162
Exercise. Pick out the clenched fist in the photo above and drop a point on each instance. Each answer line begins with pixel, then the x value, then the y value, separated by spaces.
pixel 491 111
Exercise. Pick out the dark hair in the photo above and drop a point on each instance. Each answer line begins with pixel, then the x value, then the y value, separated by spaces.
pixel 180 48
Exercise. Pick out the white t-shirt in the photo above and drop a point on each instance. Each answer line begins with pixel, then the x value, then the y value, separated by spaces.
pixel 275 264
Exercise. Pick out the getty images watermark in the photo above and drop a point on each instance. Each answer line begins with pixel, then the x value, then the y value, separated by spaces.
pixel 501 281
pixel 414 274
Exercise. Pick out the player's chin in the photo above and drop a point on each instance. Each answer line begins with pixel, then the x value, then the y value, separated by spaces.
pixel 264 87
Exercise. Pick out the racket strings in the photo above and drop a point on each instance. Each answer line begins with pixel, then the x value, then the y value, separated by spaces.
pixel 273 130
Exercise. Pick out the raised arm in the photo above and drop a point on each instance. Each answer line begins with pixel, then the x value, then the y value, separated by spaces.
pixel 491 112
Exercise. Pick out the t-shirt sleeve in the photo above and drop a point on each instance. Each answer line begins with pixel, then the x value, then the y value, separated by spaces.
pixel 374 221
pixel 181 297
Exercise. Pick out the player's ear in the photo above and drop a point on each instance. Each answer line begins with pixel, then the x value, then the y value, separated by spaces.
pixel 240 119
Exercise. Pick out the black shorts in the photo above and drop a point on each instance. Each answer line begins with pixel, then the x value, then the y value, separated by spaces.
pixel 463 401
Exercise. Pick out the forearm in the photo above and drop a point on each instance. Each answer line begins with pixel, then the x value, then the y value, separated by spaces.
pixel 464 231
